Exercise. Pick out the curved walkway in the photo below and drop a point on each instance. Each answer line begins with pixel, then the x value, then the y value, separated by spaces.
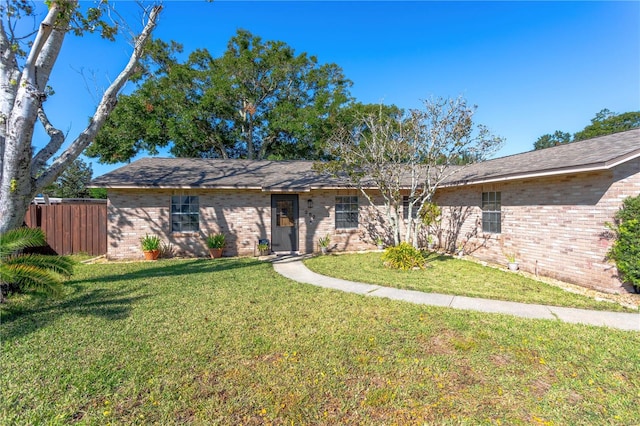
pixel 293 268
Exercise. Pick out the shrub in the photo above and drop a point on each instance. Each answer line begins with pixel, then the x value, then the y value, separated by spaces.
pixel 150 242
pixel 21 272
pixel 403 256
pixel 625 251
pixel 166 250
pixel 216 241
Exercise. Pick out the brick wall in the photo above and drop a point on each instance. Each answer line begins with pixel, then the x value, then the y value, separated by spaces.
pixel 244 216
pixel 554 225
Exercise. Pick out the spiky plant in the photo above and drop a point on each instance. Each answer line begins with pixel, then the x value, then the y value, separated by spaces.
pixel 30 272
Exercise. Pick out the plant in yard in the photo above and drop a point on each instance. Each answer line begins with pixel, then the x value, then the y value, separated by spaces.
pixel 263 248
pixel 150 246
pixel 30 272
pixel 379 243
pixel 431 243
pixel 216 243
pixel 512 262
pixel 324 242
pixel 166 250
pixel 403 256
pixel 625 251
pixel 150 242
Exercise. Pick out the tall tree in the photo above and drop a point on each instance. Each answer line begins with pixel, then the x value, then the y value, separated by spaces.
pixel 24 76
pixel 549 140
pixel 605 122
pixel 412 153
pixel 258 100
pixel 73 181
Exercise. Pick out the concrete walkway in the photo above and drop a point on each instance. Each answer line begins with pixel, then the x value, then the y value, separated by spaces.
pixel 293 268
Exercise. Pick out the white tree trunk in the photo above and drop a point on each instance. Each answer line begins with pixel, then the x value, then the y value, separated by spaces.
pixel 24 174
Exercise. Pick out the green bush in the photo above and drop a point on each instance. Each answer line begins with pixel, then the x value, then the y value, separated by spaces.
pixel 403 256
pixel 150 242
pixel 625 251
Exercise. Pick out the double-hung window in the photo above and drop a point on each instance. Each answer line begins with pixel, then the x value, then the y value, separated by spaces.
pixel 405 208
pixel 491 212
pixel 346 212
pixel 185 213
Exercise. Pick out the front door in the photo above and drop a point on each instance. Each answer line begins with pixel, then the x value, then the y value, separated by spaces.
pixel 284 222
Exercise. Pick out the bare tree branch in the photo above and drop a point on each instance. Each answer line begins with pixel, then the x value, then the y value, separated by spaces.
pixel 106 105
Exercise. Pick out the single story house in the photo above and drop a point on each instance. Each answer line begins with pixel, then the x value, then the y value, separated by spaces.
pixel 548 207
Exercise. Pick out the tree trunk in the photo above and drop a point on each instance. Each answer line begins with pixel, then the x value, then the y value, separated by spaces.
pixel 23 175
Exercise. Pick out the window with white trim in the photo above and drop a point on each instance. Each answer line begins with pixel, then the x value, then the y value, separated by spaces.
pixel 491 212
pixel 346 212
pixel 185 213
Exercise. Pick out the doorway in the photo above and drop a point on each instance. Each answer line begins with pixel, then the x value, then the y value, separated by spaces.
pixel 284 222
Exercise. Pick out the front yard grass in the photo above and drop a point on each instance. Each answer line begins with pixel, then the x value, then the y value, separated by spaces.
pixel 229 341
pixel 448 275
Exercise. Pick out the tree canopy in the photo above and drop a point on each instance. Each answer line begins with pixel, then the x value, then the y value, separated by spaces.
pixel 258 100
pixel 605 122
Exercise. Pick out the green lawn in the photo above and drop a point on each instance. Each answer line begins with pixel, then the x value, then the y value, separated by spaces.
pixel 228 341
pixel 448 275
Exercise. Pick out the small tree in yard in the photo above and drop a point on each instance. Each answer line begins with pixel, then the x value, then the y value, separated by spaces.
pixel 625 251
pixel 410 153
pixel 24 76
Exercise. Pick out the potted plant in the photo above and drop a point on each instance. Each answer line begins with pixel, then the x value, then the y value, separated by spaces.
pixel 216 243
pixel 323 242
pixel 263 249
pixel 150 246
pixel 380 243
pixel 512 263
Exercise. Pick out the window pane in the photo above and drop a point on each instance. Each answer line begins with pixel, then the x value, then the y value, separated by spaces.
pixel 185 213
pixel 346 212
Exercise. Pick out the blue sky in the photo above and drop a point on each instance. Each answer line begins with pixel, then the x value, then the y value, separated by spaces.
pixel 530 67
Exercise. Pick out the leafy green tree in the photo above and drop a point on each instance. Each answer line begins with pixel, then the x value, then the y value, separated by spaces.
pixel 258 100
pixel 73 182
pixel 555 139
pixel 98 193
pixel 30 272
pixel 625 251
pixel 606 123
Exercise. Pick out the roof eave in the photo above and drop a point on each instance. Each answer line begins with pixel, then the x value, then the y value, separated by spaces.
pixel 595 167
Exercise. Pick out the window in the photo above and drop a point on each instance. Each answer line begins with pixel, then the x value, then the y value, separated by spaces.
pixel 185 213
pixel 405 208
pixel 491 215
pixel 347 212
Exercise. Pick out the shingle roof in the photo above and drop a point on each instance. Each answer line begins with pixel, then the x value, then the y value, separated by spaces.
pixel 218 173
pixel 594 154
pixel 599 153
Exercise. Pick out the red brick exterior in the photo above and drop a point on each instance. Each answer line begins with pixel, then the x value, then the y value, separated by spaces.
pixel 555 225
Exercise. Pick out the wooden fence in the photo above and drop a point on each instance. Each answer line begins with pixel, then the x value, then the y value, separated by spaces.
pixel 71 228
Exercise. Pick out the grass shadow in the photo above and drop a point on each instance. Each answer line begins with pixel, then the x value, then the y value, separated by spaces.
pixel 24 318
pixel 173 267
